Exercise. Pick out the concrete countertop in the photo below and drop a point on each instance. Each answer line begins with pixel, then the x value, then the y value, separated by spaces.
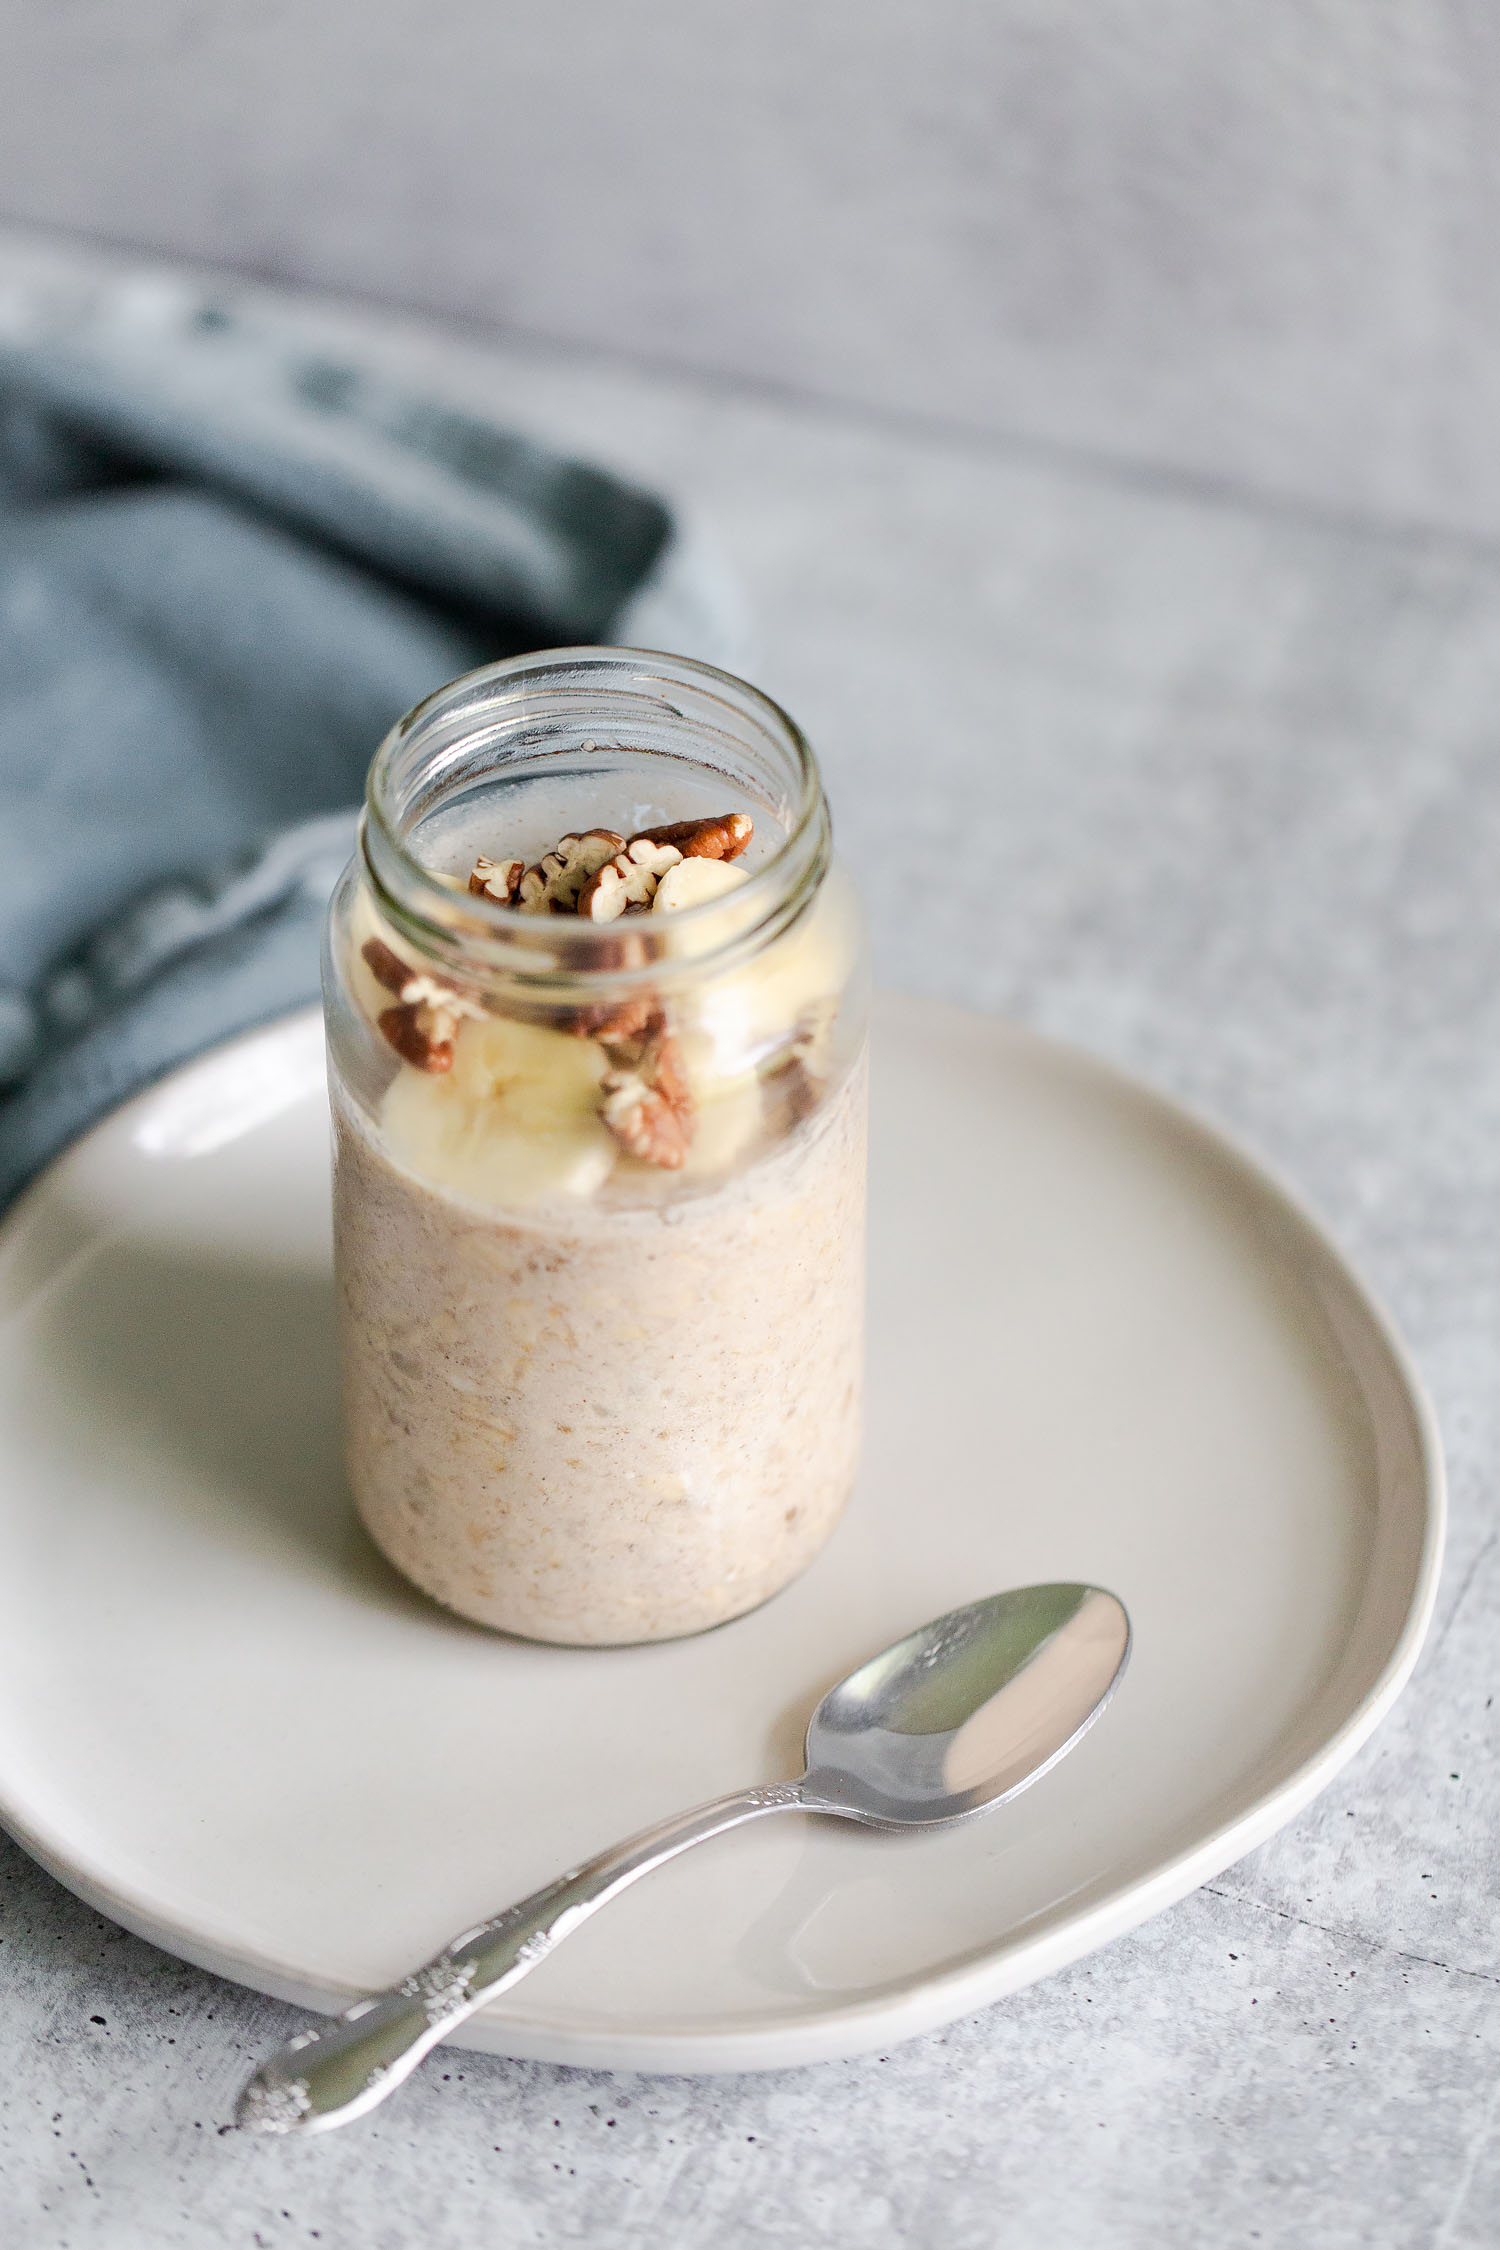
pixel 1214 788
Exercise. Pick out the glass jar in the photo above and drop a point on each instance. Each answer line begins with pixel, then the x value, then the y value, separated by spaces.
pixel 599 1148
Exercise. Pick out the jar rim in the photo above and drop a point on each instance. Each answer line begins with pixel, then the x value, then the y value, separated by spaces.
pixel 484 936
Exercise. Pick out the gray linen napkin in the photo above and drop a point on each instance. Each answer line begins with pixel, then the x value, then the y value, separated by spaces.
pixel 228 561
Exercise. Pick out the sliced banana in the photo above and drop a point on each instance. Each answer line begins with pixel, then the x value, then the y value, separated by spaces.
pixel 449 1146
pixel 539 1077
pixel 727 1121
pixel 734 1021
pixel 693 882
pixel 514 1122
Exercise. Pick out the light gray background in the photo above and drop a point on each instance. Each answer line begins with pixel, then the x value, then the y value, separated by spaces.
pixel 1251 240
pixel 1067 387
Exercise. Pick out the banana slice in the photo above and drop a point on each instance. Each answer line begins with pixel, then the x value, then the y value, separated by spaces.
pixel 693 882
pixel 728 1120
pixel 735 1021
pixel 447 1146
pixel 515 1122
pixel 539 1077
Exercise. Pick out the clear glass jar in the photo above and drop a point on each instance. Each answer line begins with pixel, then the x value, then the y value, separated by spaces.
pixel 599 1183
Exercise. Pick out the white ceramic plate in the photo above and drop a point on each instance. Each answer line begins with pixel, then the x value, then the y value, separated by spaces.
pixel 1103 1346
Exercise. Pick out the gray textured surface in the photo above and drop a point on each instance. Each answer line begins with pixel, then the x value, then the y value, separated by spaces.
pixel 1216 790
pixel 1253 240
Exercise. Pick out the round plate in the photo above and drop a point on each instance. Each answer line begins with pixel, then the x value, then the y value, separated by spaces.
pixel 1103 1346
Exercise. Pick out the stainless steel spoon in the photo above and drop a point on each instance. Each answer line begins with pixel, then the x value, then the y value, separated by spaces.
pixel 955 1718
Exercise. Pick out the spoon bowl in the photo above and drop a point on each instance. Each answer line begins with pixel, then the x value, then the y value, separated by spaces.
pixel 952 1720
pixel 967 1711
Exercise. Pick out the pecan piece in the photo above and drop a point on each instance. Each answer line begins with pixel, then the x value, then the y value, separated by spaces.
pixel 629 879
pixel 553 885
pixel 498 879
pixel 798 1081
pixel 444 1003
pixel 385 967
pixel 648 1107
pixel 723 836
pixel 644 1122
pixel 623 1029
pixel 413 1040
pixel 422 1028
pixel 792 1086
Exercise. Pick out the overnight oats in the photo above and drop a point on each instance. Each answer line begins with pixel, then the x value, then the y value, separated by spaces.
pixel 596 1009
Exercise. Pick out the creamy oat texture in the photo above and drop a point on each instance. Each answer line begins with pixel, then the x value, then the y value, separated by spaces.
pixel 597 1424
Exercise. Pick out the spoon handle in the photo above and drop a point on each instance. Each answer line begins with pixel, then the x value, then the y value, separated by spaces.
pixel 338 2070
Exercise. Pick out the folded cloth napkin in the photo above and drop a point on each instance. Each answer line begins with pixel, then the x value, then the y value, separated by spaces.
pixel 228 561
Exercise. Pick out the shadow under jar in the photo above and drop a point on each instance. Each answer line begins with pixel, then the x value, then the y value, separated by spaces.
pixel 599 1183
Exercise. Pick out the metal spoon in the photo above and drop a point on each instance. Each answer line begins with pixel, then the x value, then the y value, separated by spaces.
pixel 955 1718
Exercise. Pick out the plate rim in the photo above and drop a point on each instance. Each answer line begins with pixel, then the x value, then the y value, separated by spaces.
pixel 922 2000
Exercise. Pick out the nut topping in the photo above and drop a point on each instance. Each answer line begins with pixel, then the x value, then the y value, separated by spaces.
pixel 497 878
pixel 554 884
pixel 637 1040
pixel 629 879
pixel 649 1109
pixel 415 1044
pixel 619 1029
pixel 563 881
pixel 798 1080
pixel 441 1005
pixel 422 1029
pixel 793 1085
pixel 385 967
pixel 724 836
pixel 600 876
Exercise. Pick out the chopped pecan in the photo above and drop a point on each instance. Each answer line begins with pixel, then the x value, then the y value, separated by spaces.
pixel 498 879
pixel 646 1125
pixel 422 1028
pixel 553 885
pixel 385 967
pixel 443 1003
pixel 647 1105
pixel 792 1087
pixel 724 836
pixel 629 879
pixel 413 1040
pixel 799 1080
pixel 664 1065
pixel 619 1028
